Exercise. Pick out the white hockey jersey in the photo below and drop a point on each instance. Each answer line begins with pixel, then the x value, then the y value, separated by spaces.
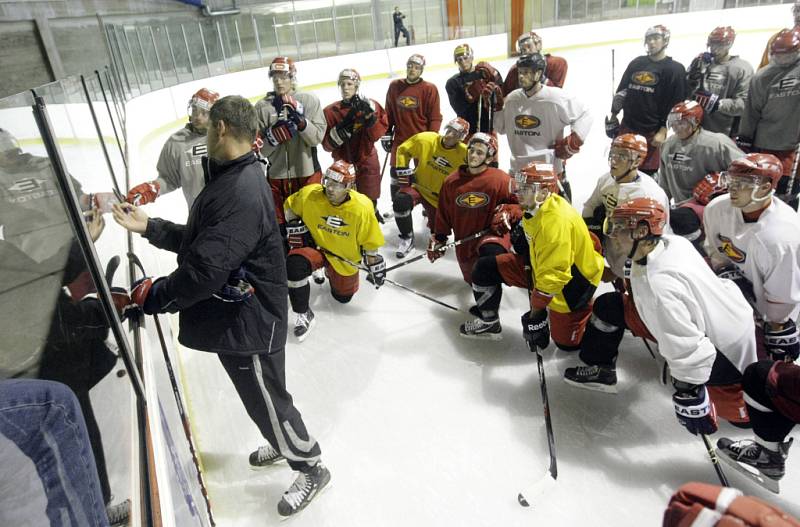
pixel 532 124
pixel 767 252
pixel 691 312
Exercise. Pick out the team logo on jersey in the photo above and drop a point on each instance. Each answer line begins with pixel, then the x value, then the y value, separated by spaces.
pixel 786 83
pixel 26 185
pixel 716 76
pixel 334 221
pixel 441 162
pixel 730 250
pixel 645 78
pixel 526 122
pixel 408 102
pixel 680 157
pixel 611 202
pixel 198 150
pixel 472 200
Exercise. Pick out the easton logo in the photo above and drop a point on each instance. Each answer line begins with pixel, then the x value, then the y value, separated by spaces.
pixel 334 221
pixel 611 202
pixel 526 122
pixel 716 76
pixel 681 157
pixel 408 102
pixel 645 78
pixel 787 83
pixel 26 185
pixel 730 250
pixel 472 200
pixel 198 150
pixel 442 162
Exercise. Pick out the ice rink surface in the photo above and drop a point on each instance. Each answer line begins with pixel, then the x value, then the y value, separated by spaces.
pixel 421 427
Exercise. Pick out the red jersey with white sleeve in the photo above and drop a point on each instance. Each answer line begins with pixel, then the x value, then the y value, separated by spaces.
pixel 411 109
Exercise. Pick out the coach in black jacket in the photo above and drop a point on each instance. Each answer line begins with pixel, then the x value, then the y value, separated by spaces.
pixel 230 286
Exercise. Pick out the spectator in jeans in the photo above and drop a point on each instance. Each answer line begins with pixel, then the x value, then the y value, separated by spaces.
pixel 397 18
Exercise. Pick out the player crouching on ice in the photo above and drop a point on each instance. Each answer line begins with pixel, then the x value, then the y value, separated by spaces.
pixel 703 325
pixel 329 225
pixel 556 259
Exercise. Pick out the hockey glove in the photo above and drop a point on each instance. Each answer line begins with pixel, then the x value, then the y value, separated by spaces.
pixel 236 288
pixel 377 269
pixel 258 144
pixel 709 101
pixel 698 67
pixel 568 146
pixel 734 274
pixel 339 134
pixel 618 101
pixel 145 292
pixel 536 330
pixel 486 71
pixel 505 217
pixel 744 143
pixel 403 176
pixel 693 408
pixel 612 126
pixel 280 132
pixel 143 193
pixel 297 234
pixel 473 90
pixel 782 344
pixel 386 141
pixel 435 249
pixel 492 97
pixel 294 111
pixel 595 222
pixel 123 303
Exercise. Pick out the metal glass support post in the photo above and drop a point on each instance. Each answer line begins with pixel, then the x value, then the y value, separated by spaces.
pixel 221 46
pixel 296 35
pixel 111 118
pixel 475 16
pixel 144 58
pixel 158 59
pixel 316 37
pixel 443 15
pixel 258 40
pixel 172 55
pixel 239 40
pixel 100 134
pixel 205 49
pixel 117 62
pixel 188 52
pixel 335 26
pixel 133 63
pixel 355 33
pixel 277 42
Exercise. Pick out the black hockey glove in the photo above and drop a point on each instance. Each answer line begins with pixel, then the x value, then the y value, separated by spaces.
pixel 339 134
pixel 782 344
pixel 595 222
pixel 403 176
pixel 236 288
pixel 536 330
pixel 386 141
pixel 693 408
pixel 709 101
pixel 734 274
pixel 377 269
pixel 612 126
pixel 297 235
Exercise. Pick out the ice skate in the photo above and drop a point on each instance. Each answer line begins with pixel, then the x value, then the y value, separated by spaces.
pixel 304 489
pixel 482 329
pixel 592 378
pixel 303 324
pixel 769 465
pixel 264 457
pixel 119 514
pixel 405 246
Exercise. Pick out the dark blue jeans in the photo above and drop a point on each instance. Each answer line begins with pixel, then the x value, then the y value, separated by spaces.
pixel 42 421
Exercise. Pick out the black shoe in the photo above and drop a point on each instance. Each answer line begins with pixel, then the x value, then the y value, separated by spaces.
pixel 304 489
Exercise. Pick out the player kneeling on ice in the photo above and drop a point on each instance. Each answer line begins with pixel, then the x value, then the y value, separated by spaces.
pixel 703 325
pixel 556 259
pixel 330 225
pixel 435 157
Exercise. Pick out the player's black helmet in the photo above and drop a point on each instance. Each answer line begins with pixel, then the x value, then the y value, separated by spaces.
pixel 534 60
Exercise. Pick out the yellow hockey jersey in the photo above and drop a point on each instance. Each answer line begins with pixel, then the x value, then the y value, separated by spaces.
pixel 343 230
pixel 433 161
pixel 564 261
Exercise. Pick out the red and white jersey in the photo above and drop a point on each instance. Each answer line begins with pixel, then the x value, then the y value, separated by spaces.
pixel 691 312
pixel 767 251
pixel 534 123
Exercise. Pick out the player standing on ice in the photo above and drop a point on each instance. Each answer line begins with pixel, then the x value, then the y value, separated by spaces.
pixel 179 164
pixel 327 224
pixel 533 119
pixel 412 106
pixel 769 122
pixel 555 259
pixel 229 289
pixel 651 85
pixel 434 158
pixel 767 55
pixel 354 124
pixel 467 201
pixel 703 325
pixel 719 82
pixel 291 124
pixel 555 72
pixel 471 90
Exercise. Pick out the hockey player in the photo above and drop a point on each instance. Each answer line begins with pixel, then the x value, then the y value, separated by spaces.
pixel 533 119
pixel 769 122
pixel 179 162
pixel 434 158
pixel 291 124
pixel 772 395
pixel 621 183
pixel 719 82
pixel 651 85
pixel 692 151
pixel 412 106
pixel 475 90
pixel 754 239
pixel 467 201
pixel 330 225
pixel 704 504
pixel 555 73
pixel 556 260
pixel 703 325
pixel 765 57
pixel 354 124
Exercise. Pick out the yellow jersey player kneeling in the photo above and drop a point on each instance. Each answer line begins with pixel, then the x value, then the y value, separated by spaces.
pixel 330 225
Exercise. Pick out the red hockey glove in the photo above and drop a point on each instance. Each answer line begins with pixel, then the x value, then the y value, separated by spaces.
pixel 295 111
pixel 473 90
pixel 486 71
pixel 568 146
pixel 709 101
pixel 505 216
pixel 493 97
pixel 143 193
pixel 281 132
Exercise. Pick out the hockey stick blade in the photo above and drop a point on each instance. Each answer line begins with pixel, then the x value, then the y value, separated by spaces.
pixel 531 494
pixel 759 479
pixel 111 269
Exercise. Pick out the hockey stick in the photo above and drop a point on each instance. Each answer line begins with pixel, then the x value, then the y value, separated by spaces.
pixel 526 496
pixel 441 249
pixel 787 196
pixel 613 86
pixel 715 460
pixel 133 258
pixel 111 269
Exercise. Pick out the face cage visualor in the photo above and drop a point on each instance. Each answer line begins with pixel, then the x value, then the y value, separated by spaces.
pixel 785 59
pixel 620 155
pixel 738 183
pixel 200 104
pixel 615 227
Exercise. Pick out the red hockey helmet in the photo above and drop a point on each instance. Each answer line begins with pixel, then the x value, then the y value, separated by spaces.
pixel 283 65
pixel 689 111
pixel 632 213
pixel 709 188
pixel 786 41
pixel 342 172
pixel 488 140
pixel 459 125
pixel 530 40
pixel 349 74
pixel 724 35
pixel 658 30
pixel 203 99
pixel 417 59
pixel 462 50
pixel 759 167
pixel 537 176
pixel 632 142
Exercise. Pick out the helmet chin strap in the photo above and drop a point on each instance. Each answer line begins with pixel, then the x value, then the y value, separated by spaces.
pixel 763 198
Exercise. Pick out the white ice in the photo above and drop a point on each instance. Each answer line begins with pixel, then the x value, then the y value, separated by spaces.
pixel 421 427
